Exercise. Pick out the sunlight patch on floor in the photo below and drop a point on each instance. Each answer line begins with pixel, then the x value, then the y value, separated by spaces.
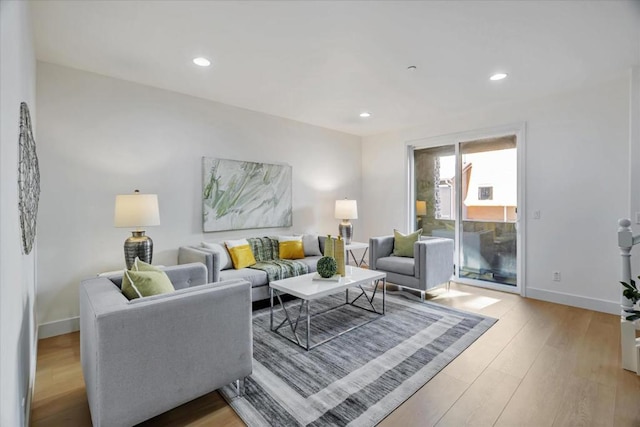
pixel 443 293
pixel 481 302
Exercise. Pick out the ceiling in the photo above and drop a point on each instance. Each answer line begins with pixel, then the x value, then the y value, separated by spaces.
pixel 324 62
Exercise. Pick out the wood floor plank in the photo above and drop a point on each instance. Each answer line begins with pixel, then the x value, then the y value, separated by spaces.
pixel 538 398
pixel 483 402
pixel 627 407
pixel 472 362
pixel 600 350
pixel 429 403
pixel 586 403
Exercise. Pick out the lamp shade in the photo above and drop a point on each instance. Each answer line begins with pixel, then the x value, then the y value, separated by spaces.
pixel 346 209
pixel 421 207
pixel 136 210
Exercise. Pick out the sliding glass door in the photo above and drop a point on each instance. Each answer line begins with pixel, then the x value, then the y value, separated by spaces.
pixel 468 191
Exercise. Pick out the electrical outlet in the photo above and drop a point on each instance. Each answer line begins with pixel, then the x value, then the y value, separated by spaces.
pixel 556 276
pixel 536 214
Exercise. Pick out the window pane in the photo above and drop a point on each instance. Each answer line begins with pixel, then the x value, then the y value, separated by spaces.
pixel 435 189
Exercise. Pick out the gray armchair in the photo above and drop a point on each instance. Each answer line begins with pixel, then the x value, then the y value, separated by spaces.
pixel 146 356
pixel 431 265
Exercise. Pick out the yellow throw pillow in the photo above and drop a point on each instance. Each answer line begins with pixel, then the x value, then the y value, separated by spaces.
pixel 145 284
pixel 290 247
pixel 240 252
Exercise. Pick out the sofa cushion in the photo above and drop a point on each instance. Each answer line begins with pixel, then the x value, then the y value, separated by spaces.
pixel 311 262
pixel 145 283
pixel 290 247
pixel 397 264
pixel 255 277
pixel 403 244
pixel 241 254
pixel 225 259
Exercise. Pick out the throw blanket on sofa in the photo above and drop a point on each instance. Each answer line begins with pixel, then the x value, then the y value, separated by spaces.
pixel 267 255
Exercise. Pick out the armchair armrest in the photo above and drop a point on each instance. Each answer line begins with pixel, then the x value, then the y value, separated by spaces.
pixel 189 254
pixel 437 253
pixel 145 356
pixel 379 247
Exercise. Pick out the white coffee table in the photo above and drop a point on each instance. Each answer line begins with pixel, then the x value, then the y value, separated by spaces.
pixel 307 289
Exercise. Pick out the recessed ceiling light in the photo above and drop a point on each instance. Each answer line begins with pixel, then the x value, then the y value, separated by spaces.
pixel 498 76
pixel 365 114
pixel 203 62
pixel 412 68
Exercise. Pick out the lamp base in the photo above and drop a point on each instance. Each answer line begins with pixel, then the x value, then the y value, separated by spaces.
pixel 138 245
pixel 346 231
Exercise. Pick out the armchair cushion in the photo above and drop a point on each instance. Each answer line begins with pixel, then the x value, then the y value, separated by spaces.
pixel 397 264
pixel 139 284
pixel 403 244
pixel 143 285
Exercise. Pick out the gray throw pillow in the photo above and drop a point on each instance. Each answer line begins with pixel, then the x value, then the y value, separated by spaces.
pixel 311 245
pixel 225 258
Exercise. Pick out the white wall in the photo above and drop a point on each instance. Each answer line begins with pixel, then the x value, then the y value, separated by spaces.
pixel 100 136
pixel 577 166
pixel 634 150
pixel 17 280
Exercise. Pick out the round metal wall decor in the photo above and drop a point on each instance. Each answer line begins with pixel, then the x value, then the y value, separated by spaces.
pixel 28 180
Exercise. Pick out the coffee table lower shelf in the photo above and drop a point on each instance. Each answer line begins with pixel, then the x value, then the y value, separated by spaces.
pixel 304 312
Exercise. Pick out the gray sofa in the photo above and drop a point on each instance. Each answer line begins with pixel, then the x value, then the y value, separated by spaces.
pixel 146 356
pixel 258 279
pixel 431 265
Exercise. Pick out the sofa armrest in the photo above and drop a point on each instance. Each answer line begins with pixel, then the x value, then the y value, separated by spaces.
pixel 379 247
pixel 211 260
pixel 142 358
pixel 434 260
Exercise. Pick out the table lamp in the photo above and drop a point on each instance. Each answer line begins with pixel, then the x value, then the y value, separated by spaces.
pixel 137 211
pixel 346 210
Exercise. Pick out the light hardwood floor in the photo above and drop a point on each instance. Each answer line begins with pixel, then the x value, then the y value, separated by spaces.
pixel 541 364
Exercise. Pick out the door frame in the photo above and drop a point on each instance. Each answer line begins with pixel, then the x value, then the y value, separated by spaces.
pixel 517 129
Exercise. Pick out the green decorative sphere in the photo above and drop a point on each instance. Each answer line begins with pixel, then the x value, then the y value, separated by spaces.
pixel 327 266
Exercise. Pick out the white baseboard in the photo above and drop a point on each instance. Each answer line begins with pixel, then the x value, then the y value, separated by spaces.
pixel 611 307
pixel 58 327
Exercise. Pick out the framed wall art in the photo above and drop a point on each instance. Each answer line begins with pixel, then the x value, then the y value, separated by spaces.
pixel 242 195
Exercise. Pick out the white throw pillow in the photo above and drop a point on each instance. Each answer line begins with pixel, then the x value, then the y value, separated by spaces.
pixel 225 258
pixel 311 245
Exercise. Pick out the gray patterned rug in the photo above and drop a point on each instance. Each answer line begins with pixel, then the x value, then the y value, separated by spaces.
pixel 358 378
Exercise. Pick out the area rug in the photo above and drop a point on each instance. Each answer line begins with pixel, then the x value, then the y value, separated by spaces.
pixel 358 378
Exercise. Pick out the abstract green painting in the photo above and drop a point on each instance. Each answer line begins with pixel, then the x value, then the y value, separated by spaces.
pixel 240 195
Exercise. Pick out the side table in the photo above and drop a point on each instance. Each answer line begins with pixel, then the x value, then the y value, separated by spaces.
pixel 357 246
